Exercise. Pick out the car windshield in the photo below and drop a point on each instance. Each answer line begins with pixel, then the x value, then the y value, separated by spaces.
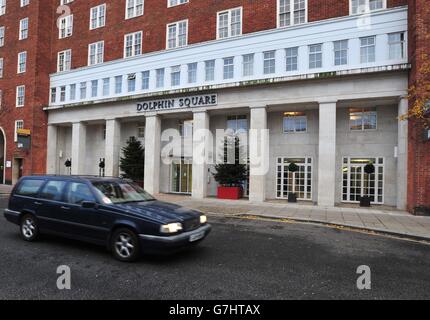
pixel 121 192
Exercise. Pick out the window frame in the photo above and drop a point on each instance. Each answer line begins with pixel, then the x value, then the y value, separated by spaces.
pixel 229 23
pixel 177 35
pixel 278 14
pixel 367 7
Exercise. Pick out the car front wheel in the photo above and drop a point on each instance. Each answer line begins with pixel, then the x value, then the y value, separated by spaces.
pixel 125 245
pixel 29 228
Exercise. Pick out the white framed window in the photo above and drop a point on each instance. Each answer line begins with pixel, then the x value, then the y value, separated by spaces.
pixel 192 72
pixel 295 122
pixel 20 96
pixel 65 1
pixel 292 58
pixel 340 52
pixel 62 93
pixel 173 3
pixel 25 3
pixel 106 87
pixel 83 90
pixel 366 6
pixel 228 68
pixel 177 34
pixel 98 17
pixel 64 60
pixel 175 76
pixel 299 182
pixel 229 23
pixel 248 65
pixel 94 88
pixel 23 29
pixel 118 84
pixel 131 82
pixel 315 56
pixel 2 7
pixel 133 44
pixel 1 67
pixel 269 62
pixel 361 119
pixel 2 34
pixel 53 95
pixel 145 80
pixel 19 124
pixel 292 12
pixel 210 70
pixel 96 53
pixel 367 49
pixel 72 92
pixel 22 62
pixel 397 46
pixel 159 78
pixel 66 27
pixel 134 8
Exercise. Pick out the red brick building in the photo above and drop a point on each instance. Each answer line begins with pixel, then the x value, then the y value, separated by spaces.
pixel 44 44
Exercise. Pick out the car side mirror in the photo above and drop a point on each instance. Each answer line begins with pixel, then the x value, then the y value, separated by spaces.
pixel 89 205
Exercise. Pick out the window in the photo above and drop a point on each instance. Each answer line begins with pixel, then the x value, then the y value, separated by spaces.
pixel 106 86
pixel 23 29
pixel 94 88
pixel 66 27
pixel 20 96
pixel 299 182
pixel 62 94
pixel 72 91
pixel 22 62
pixel 365 6
pixel 64 62
pixel 229 23
pixel 367 49
pixel 53 95
pixel 2 29
pixel 248 65
pixel 397 47
pixel 96 53
pixel 134 8
pixel 159 78
pixel 53 190
pixel 192 72
pixel 229 68
pixel 2 7
pixel 172 3
pixel 175 76
pixel 269 62
pixel 118 84
pixel 65 1
pixel 362 119
pixel 25 3
pixel 315 56
pixel 29 187
pixel 177 34
pixel 1 67
pixel 131 82
pixel 133 44
pixel 295 122
pixel 237 124
pixel 98 17
pixel 141 130
pixel 83 90
pixel 210 70
pixel 291 12
pixel 292 55
pixel 340 52
pixel 19 124
pixel 145 80
pixel 78 192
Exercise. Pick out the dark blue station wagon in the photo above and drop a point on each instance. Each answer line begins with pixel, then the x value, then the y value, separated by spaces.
pixel 112 212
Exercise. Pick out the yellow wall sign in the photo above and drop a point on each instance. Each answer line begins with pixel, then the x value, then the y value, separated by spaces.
pixel 25 132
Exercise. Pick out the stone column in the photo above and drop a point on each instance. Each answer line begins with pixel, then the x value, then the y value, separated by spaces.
pixel 52 150
pixel 258 154
pixel 201 149
pixel 402 156
pixel 152 154
pixel 327 154
pixel 79 144
pixel 112 147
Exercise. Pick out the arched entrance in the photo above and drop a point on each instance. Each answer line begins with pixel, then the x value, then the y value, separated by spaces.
pixel 2 156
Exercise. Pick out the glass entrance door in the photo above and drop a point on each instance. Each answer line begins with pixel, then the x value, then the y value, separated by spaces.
pixel 182 176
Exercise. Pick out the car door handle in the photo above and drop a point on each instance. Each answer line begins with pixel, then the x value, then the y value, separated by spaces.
pixel 38 203
pixel 65 208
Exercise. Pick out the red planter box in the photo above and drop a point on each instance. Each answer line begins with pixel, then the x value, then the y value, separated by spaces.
pixel 232 193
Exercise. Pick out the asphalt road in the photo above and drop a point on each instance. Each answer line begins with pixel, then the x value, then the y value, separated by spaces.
pixel 241 259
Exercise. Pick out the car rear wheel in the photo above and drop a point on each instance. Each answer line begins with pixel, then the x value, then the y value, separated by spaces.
pixel 29 228
pixel 125 245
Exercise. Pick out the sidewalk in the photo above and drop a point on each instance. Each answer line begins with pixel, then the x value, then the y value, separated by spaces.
pixel 5 189
pixel 382 220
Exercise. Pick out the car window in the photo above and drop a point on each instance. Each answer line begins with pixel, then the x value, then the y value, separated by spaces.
pixel 53 190
pixel 29 187
pixel 78 193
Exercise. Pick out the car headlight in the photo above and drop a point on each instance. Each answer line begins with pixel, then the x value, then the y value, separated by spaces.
pixel 203 219
pixel 171 228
